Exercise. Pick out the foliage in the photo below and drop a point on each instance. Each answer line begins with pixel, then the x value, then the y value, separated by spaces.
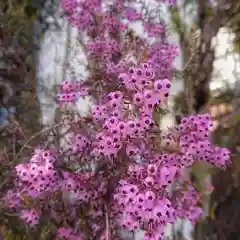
pixel 19 108
pixel 115 168
pixel 207 19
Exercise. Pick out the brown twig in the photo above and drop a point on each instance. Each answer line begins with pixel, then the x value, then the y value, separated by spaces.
pixel 35 135
pixel 108 234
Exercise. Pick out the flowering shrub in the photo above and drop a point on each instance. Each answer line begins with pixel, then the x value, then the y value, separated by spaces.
pixel 136 174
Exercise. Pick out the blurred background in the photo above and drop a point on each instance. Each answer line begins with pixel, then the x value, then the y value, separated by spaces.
pixel 39 49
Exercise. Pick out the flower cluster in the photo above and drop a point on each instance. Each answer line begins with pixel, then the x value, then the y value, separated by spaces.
pixel 68 233
pixel 118 169
pixel 71 91
pixel 154 29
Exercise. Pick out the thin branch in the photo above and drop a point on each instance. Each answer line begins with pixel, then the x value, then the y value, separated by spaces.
pixel 35 135
pixel 108 234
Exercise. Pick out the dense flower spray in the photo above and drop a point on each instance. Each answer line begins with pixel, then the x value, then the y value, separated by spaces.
pixel 137 179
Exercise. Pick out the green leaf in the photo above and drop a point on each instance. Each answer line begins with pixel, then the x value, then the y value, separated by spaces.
pixel 235 118
pixel 236 47
pixel 209 11
pixel 31 11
